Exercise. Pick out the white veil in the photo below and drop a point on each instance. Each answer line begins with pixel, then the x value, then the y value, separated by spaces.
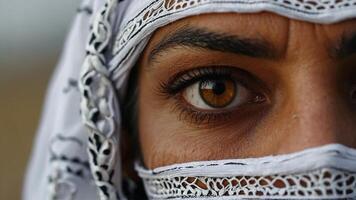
pixel 108 38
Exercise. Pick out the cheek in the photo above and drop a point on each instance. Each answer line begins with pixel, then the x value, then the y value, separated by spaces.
pixel 162 136
pixel 164 139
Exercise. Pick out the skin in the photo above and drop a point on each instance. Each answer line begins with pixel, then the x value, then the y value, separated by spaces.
pixel 308 92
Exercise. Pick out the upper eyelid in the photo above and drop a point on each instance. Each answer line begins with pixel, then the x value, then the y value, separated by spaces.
pixel 190 78
pixel 238 74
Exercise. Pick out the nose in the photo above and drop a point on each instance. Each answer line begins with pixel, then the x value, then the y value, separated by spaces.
pixel 315 111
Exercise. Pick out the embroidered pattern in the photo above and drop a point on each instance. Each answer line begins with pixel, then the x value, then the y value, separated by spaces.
pixel 66 167
pixel 324 183
pixel 72 84
pixel 85 9
pixel 98 105
pixel 328 172
pixel 161 8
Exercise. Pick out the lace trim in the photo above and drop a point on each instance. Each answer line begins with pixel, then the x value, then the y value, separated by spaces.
pixel 304 9
pixel 99 105
pixel 326 172
pixel 323 183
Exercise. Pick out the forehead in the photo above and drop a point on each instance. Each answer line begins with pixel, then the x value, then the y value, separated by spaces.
pixel 274 28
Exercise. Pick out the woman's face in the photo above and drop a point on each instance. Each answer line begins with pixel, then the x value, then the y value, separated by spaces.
pixel 223 86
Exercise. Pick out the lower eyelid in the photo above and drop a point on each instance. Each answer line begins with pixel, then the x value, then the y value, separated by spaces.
pixel 216 118
pixel 195 117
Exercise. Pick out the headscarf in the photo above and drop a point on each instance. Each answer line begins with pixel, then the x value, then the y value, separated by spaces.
pixel 70 161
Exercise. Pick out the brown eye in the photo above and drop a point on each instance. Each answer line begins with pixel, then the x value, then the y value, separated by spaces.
pixel 217 93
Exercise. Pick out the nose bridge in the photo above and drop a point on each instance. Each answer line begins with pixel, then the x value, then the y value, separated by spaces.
pixel 314 105
pixel 316 111
pixel 312 110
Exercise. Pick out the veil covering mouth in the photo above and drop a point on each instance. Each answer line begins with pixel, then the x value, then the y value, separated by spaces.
pixel 77 150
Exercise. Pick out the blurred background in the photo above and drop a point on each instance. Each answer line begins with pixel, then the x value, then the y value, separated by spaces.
pixel 32 33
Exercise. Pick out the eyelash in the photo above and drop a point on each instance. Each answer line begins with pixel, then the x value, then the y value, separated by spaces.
pixel 173 87
pixel 179 82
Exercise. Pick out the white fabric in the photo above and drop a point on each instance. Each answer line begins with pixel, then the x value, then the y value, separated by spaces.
pixel 60 164
pixel 54 147
pixel 327 172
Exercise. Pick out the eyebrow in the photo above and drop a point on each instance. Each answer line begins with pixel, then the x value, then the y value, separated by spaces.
pixel 346 46
pixel 208 40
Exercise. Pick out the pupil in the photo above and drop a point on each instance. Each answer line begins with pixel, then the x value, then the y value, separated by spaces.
pixel 219 87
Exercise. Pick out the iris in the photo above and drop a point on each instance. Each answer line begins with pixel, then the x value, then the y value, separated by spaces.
pixel 217 93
